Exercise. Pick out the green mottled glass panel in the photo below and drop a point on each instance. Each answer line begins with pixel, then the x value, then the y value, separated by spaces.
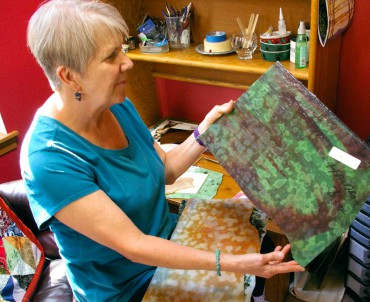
pixel 276 144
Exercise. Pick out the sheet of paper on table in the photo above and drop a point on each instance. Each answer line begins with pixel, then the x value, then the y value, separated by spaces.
pixel 208 185
pixel 189 182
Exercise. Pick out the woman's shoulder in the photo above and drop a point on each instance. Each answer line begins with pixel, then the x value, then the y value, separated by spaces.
pixel 45 129
pixel 48 140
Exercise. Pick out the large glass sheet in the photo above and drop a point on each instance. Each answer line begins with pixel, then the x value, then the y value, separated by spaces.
pixel 276 145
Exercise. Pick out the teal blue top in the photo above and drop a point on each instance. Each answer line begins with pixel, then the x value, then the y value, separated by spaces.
pixel 59 167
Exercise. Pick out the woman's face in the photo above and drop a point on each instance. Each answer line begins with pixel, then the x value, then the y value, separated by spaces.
pixel 104 80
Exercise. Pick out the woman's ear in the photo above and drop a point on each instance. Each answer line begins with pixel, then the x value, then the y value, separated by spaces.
pixel 68 77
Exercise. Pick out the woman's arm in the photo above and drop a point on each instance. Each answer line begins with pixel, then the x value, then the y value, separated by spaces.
pixel 88 216
pixel 178 160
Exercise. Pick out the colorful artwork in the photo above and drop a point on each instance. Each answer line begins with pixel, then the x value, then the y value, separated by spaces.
pixel 276 145
pixel 230 225
pixel 21 258
pixel 208 189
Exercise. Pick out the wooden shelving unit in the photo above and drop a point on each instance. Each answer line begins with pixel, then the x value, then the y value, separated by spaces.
pixel 187 65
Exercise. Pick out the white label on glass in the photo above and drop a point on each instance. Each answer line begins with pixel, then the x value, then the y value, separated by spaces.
pixel 344 158
pixel 303 55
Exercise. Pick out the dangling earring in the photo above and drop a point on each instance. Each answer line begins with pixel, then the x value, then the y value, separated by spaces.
pixel 78 96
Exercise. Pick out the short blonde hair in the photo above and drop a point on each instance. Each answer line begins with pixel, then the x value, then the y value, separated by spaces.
pixel 65 32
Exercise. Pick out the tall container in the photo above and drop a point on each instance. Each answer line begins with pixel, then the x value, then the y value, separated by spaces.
pixel 301 50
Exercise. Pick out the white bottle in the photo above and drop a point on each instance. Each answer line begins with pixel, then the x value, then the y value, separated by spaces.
pixel 281 24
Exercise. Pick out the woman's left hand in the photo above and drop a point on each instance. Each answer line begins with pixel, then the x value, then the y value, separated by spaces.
pixel 267 265
pixel 215 114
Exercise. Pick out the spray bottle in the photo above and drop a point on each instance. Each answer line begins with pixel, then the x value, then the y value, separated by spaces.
pixel 301 47
pixel 281 24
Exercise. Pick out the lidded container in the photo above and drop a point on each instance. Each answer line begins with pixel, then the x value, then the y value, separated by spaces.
pixel 301 49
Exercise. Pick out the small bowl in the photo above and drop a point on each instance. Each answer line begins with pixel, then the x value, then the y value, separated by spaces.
pixel 275 38
pixel 153 49
pixel 274 47
pixel 273 56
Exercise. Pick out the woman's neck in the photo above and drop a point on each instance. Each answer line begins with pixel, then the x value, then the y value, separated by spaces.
pixel 99 126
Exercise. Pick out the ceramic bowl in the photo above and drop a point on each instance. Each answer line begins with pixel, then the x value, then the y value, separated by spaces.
pixel 275 55
pixel 274 47
pixel 275 38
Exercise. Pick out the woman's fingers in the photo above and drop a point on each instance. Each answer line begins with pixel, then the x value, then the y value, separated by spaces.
pixel 274 257
pixel 286 267
pixel 215 114
pixel 275 265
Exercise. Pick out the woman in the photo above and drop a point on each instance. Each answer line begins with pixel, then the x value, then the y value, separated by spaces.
pixel 94 174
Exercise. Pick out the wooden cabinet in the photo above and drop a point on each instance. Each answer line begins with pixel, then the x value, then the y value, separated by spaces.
pixel 187 65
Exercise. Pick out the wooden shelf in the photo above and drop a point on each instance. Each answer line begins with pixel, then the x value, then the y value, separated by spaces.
pixel 190 58
pixel 320 77
pixel 8 142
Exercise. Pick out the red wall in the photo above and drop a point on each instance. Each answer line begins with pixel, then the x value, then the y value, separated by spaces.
pixel 191 101
pixel 24 87
pixel 353 105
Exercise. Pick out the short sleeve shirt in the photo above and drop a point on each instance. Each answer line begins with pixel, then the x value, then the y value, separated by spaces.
pixel 59 166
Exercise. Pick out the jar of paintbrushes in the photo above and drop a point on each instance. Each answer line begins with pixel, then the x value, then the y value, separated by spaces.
pixel 245 41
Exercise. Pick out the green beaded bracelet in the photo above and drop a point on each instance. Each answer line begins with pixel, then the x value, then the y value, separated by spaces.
pixel 218 265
